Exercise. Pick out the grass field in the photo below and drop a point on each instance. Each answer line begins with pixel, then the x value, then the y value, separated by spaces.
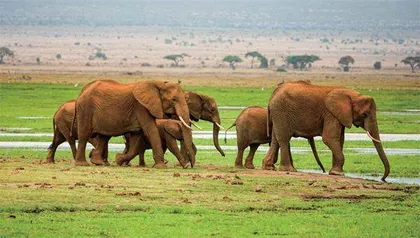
pixel 212 199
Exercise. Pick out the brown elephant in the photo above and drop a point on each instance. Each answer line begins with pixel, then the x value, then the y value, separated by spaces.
pixel 251 130
pixel 205 108
pixel 63 131
pixel 107 108
pixel 170 131
pixel 300 109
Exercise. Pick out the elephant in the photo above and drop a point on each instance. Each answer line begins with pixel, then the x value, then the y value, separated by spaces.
pixel 200 107
pixel 170 131
pixel 63 131
pixel 107 108
pixel 205 108
pixel 251 130
pixel 300 109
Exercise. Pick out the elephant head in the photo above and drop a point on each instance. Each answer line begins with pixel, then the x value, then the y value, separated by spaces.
pixel 165 99
pixel 350 107
pixel 205 108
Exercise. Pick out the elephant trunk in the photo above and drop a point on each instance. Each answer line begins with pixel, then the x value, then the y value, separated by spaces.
pixel 187 147
pixel 372 129
pixel 216 130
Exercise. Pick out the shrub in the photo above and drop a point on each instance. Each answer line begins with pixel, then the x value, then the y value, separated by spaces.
pixel 281 69
pixel 377 65
pixel 38 60
pixel 145 65
pixel 58 56
pixel 160 66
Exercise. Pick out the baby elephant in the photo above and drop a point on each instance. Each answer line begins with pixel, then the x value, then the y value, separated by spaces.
pixel 62 124
pixel 251 130
pixel 170 131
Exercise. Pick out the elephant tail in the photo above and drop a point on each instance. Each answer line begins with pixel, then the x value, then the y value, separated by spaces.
pixel 234 124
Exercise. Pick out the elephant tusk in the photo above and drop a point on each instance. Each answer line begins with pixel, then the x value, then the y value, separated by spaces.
pixel 221 127
pixel 371 137
pixel 185 124
pixel 196 125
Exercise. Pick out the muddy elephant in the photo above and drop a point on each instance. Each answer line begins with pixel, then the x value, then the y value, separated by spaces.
pixel 107 108
pixel 170 131
pixel 300 109
pixel 251 130
pixel 205 108
pixel 63 131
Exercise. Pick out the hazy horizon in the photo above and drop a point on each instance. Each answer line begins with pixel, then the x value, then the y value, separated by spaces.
pixel 359 15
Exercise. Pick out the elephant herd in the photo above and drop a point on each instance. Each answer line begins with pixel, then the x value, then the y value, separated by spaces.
pixel 156 114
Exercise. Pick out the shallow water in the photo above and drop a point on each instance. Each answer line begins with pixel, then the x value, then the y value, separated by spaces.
pixel 404 180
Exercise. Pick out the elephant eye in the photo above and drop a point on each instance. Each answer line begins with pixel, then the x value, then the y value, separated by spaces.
pixel 174 99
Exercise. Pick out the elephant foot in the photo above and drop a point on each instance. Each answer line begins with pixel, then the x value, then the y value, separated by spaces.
pixel 142 164
pixel 81 163
pixel 97 161
pixel 49 161
pixel 249 166
pixel 288 168
pixel 120 161
pixel 106 163
pixel 336 171
pixel 268 167
pixel 239 166
pixel 160 165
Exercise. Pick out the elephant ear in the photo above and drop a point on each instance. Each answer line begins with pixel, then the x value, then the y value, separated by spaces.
pixel 174 129
pixel 148 95
pixel 195 105
pixel 338 102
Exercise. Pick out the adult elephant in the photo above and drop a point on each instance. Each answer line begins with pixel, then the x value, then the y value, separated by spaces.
pixel 108 108
pixel 300 109
pixel 205 108
pixel 252 130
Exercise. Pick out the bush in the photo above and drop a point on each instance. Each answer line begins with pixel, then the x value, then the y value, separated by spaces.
pixel 160 66
pixel 145 65
pixel 38 60
pixel 377 65
pixel 281 69
pixel 168 41
pixel 58 56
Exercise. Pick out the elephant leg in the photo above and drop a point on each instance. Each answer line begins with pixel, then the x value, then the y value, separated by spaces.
pixel 57 140
pixel 151 131
pixel 172 145
pixel 239 157
pixel 101 148
pixel 286 161
pixel 249 164
pixel 271 157
pixel 335 142
pixel 80 154
pixel 142 163
pixel 134 143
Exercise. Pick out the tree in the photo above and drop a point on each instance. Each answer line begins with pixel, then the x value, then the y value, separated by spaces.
pixel 4 51
pixel 377 65
pixel 260 57
pixel 414 62
pixel 176 58
pixel 300 61
pixel 345 61
pixel 232 59
pixel 273 62
pixel 252 54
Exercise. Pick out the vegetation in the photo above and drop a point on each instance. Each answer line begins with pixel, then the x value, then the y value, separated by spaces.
pixel 345 61
pixel 98 55
pixel 255 54
pixel 58 56
pixel 4 51
pixel 232 60
pixel 272 62
pixel 176 58
pixel 301 61
pixel 281 69
pixel 414 62
pixel 377 65
pixel 38 60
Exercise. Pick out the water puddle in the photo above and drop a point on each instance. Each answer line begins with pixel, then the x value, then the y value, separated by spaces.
pixel 403 180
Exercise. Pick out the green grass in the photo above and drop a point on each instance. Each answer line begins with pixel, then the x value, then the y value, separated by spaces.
pixel 39 200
